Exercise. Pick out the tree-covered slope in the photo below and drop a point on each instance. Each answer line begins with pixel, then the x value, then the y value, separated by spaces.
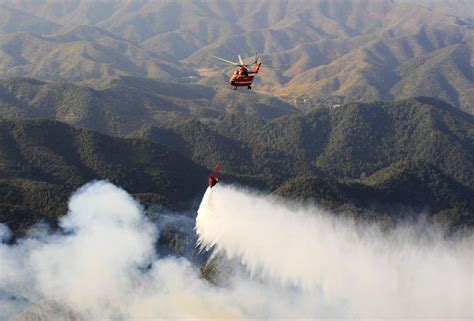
pixel 176 130
pixel 406 188
pixel 351 140
pixel 357 140
pixel 120 105
pixel 202 144
pixel 348 142
pixel 411 156
pixel 42 162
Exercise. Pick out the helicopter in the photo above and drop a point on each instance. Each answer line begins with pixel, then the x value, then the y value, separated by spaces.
pixel 243 77
pixel 214 177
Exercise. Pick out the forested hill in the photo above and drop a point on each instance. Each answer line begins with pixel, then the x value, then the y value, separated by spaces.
pixel 120 105
pixel 350 141
pixel 421 146
pixel 42 162
pixel 405 189
pixel 266 144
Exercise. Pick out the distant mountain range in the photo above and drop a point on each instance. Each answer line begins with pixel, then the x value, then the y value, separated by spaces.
pixel 357 50
pixel 80 53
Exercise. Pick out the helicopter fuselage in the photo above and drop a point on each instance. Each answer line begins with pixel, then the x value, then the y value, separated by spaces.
pixel 241 80
pixel 244 77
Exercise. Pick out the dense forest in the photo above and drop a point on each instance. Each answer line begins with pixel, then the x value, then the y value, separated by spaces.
pixel 384 159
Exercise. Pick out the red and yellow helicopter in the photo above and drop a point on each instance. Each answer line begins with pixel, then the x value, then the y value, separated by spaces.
pixel 243 77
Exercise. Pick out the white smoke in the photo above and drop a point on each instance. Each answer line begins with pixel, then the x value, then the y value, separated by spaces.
pixel 400 274
pixel 103 266
pixel 93 267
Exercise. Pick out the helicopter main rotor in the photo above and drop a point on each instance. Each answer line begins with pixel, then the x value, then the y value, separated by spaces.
pixel 241 61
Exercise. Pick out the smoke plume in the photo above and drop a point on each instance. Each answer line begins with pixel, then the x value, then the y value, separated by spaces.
pixel 295 262
pixel 367 272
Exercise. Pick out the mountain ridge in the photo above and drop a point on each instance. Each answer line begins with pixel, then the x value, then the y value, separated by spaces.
pixel 43 161
pixel 359 50
pixel 120 105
